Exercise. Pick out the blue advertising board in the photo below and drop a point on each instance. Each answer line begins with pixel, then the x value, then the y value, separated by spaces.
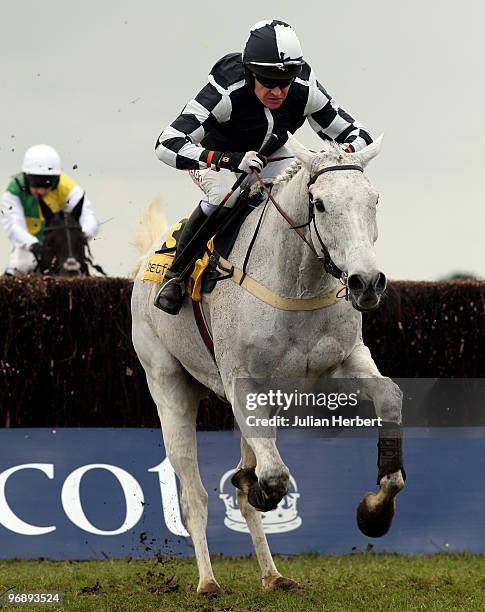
pixel 97 493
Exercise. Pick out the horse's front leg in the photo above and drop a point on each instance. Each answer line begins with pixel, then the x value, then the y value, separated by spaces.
pixel 376 510
pixel 262 481
pixel 267 483
pixel 270 576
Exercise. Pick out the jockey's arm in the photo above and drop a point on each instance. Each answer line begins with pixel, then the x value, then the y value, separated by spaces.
pixel 88 220
pixel 330 121
pixel 13 221
pixel 178 144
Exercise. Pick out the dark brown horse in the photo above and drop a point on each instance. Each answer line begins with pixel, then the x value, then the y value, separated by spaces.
pixel 65 250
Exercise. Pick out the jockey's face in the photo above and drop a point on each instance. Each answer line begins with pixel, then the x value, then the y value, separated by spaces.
pixel 271 98
pixel 40 192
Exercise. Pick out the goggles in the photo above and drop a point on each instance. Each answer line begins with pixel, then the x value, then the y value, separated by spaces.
pixel 273 83
pixel 46 181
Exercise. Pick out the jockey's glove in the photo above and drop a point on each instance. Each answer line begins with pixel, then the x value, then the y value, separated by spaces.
pixel 249 162
pixel 36 250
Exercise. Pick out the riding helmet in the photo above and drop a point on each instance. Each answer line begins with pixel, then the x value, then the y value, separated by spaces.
pixel 42 166
pixel 273 51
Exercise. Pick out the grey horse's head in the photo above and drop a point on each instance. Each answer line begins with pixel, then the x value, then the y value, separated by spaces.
pixel 344 204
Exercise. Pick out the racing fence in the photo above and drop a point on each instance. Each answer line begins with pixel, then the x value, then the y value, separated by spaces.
pixel 67 360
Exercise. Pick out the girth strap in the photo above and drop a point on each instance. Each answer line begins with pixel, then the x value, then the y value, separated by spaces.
pixel 204 332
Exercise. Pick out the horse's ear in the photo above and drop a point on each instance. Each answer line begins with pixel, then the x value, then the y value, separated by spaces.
pixel 77 210
pixel 365 155
pixel 301 152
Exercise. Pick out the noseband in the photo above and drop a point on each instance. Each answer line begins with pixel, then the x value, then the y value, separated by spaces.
pixel 328 263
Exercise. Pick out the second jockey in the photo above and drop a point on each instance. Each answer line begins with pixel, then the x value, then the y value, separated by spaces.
pixel 268 89
pixel 41 179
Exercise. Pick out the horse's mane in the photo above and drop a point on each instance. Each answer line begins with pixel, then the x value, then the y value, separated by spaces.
pixel 329 146
pixel 288 173
pixel 280 180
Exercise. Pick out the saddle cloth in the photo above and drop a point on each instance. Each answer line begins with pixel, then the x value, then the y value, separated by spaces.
pixel 202 279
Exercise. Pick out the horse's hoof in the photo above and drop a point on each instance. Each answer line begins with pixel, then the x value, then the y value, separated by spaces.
pixel 280 583
pixel 246 481
pixel 243 479
pixel 259 500
pixel 374 518
pixel 209 588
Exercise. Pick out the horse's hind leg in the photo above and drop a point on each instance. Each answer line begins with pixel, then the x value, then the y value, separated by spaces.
pixel 177 397
pixel 271 578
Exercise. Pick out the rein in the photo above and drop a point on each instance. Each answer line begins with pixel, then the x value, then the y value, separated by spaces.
pixel 285 216
pixel 228 271
pixel 89 259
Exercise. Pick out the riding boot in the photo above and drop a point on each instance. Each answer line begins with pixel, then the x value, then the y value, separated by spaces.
pixel 171 294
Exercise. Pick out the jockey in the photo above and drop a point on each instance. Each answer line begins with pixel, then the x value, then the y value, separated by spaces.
pixel 41 179
pixel 268 89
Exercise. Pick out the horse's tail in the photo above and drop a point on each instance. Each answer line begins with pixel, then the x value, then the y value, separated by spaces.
pixel 152 226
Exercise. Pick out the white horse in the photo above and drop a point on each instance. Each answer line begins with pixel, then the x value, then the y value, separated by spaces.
pixel 253 339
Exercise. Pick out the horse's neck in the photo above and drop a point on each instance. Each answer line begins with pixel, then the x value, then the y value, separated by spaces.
pixel 293 267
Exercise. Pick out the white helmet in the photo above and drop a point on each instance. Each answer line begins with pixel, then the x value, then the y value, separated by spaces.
pixel 41 160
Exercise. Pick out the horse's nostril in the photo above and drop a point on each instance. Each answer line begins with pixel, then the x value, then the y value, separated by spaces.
pixel 380 283
pixel 355 283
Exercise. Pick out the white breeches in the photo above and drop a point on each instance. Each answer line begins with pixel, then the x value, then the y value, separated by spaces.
pixel 216 185
pixel 21 261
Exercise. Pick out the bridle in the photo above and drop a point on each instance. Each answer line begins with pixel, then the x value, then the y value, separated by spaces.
pixel 328 263
pixel 72 263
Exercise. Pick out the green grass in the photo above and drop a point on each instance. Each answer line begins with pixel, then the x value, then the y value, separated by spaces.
pixel 363 581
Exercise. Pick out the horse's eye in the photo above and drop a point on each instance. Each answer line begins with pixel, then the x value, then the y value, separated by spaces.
pixel 319 205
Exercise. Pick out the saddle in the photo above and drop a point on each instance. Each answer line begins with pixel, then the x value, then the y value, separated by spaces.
pixel 203 277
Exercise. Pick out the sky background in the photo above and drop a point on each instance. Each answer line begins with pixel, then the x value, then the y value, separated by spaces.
pixel 100 80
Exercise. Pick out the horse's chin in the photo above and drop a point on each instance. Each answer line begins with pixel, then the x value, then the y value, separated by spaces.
pixel 365 303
